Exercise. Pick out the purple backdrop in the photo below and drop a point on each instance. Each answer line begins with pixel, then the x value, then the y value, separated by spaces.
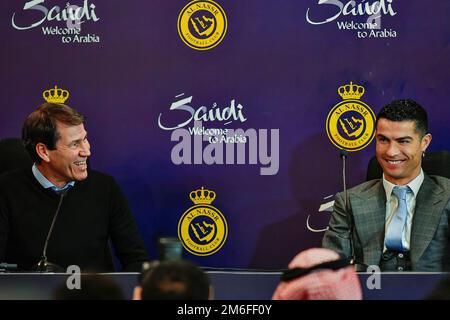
pixel 283 70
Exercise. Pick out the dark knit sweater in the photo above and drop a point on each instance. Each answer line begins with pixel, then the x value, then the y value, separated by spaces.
pixel 93 212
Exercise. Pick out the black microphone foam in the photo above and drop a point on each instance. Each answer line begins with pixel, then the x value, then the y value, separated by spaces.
pixel 343 153
pixel 8 266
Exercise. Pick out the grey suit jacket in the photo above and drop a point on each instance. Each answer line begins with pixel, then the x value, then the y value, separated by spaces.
pixel 430 239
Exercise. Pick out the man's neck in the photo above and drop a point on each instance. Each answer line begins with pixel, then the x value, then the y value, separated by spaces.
pixel 414 184
pixel 403 181
pixel 52 179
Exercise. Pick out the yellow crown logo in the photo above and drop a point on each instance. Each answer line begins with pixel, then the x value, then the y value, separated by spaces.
pixel 56 95
pixel 351 91
pixel 202 196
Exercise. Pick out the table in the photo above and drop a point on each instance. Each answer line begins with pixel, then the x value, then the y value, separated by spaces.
pixel 236 285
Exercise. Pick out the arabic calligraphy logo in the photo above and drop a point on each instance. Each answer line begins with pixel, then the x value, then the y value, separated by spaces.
pixel 202 229
pixel 350 124
pixel 202 24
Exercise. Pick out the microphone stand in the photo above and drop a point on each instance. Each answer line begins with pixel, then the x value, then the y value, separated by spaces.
pixel 353 260
pixel 44 265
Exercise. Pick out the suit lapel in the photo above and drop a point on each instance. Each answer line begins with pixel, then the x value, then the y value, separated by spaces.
pixel 426 218
pixel 369 210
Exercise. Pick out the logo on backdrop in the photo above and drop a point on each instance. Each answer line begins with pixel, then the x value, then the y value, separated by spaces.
pixel 202 229
pixel 365 18
pixel 55 95
pixel 36 15
pixel 202 24
pixel 220 145
pixel 351 123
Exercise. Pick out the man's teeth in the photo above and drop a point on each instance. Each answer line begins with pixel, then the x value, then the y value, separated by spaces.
pixel 80 163
pixel 395 161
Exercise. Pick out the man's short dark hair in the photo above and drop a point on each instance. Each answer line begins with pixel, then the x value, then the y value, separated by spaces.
pixel 40 126
pixel 175 280
pixel 406 110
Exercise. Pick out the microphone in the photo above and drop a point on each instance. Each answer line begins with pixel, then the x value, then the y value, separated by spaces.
pixel 359 266
pixel 44 265
pixel 7 267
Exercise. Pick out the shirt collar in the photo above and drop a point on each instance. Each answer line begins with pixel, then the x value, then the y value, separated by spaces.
pixel 414 185
pixel 43 181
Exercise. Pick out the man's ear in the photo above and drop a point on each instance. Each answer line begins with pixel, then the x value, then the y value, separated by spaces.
pixel 42 151
pixel 137 293
pixel 426 141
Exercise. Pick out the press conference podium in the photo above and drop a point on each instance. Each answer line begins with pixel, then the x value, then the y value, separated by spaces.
pixel 228 285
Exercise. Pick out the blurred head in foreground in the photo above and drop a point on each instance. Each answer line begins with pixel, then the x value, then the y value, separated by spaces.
pixel 319 274
pixel 173 280
pixel 92 287
pixel 441 291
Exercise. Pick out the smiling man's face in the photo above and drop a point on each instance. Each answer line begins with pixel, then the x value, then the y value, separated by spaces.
pixel 68 161
pixel 399 150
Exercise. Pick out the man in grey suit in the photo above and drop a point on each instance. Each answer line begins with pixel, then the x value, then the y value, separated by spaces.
pixel 399 222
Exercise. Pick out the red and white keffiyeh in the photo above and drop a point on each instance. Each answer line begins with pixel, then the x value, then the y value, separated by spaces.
pixel 324 284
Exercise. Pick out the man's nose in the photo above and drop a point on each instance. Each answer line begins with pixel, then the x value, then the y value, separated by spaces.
pixel 85 149
pixel 392 150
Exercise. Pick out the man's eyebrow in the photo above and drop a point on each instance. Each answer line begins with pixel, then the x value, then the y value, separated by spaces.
pixel 405 138
pixel 79 140
pixel 396 139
